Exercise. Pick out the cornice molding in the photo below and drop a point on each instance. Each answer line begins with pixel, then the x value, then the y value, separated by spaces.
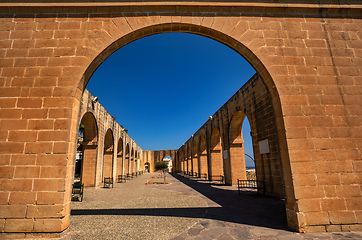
pixel 180 3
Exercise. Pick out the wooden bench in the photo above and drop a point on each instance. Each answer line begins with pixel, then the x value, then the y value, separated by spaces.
pixel 129 176
pixel 108 182
pixel 203 175
pixel 217 178
pixel 77 191
pixel 194 174
pixel 121 178
pixel 255 184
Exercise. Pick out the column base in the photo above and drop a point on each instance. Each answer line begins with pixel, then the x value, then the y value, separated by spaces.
pixel 4 235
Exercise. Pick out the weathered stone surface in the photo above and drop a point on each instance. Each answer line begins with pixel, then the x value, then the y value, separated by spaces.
pixel 307 56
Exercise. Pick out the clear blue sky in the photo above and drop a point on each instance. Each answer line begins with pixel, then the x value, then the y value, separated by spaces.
pixel 163 88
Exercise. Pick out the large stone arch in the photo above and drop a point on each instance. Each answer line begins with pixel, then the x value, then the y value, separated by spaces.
pixel 253 57
pixel 307 55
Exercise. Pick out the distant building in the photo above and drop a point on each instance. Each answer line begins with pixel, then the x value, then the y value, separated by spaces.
pixel 169 162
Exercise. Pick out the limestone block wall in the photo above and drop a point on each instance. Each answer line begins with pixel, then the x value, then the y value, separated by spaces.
pixel 307 54
pixel 252 101
pixel 156 156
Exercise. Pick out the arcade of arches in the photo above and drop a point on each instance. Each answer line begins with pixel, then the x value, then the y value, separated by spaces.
pixel 104 158
pixel 304 102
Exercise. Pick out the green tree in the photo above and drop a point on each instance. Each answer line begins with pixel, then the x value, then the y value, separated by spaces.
pixel 161 166
pixel 81 130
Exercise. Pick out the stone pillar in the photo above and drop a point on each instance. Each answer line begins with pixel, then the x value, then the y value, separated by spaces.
pixel 237 161
pixel 216 162
pixel 107 164
pixel 89 163
pixel 195 163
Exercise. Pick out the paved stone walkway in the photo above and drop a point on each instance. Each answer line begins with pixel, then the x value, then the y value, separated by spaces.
pixel 184 209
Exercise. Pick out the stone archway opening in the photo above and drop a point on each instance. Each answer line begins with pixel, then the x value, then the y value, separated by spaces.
pixel 241 149
pixel 237 155
pixel 214 139
pixel 88 146
pixel 192 162
pixel 108 155
pixel 147 167
pixel 249 150
pixel 79 155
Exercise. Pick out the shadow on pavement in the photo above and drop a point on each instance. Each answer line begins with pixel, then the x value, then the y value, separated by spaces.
pixel 246 208
pixel 168 212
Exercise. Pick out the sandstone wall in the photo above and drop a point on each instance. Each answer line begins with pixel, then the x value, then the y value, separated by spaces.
pixel 307 54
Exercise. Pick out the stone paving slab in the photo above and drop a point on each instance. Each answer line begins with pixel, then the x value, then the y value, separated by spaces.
pixel 133 210
pixel 185 209
pixel 244 216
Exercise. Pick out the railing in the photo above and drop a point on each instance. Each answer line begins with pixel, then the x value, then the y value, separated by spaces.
pixel 251 175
